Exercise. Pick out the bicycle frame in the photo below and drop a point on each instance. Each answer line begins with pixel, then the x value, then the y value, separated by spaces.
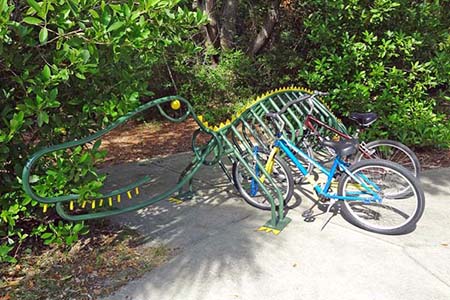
pixel 286 145
pixel 309 120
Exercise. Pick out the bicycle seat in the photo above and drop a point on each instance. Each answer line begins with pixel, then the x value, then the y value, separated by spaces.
pixel 343 148
pixel 363 119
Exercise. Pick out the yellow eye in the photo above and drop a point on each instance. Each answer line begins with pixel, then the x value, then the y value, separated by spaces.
pixel 175 104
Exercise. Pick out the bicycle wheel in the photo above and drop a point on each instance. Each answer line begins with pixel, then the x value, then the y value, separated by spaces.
pixel 249 189
pixel 392 215
pixel 393 151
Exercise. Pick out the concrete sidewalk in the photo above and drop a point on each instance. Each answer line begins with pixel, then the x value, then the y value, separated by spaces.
pixel 222 256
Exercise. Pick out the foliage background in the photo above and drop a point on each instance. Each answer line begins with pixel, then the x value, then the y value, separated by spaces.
pixel 70 67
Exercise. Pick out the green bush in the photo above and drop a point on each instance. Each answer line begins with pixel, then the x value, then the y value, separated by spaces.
pixel 389 57
pixel 215 89
pixel 67 68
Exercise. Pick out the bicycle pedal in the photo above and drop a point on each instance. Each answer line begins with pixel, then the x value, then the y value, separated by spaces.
pixel 307 213
pixel 310 219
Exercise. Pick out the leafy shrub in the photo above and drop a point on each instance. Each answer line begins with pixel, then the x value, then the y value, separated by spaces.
pixel 384 56
pixel 214 90
pixel 67 68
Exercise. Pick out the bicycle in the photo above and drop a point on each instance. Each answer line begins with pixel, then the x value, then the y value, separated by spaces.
pixel 368 189
pixel 381 149
pixel 310 142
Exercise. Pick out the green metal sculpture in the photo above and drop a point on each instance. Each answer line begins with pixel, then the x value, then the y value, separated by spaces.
pixel 234 139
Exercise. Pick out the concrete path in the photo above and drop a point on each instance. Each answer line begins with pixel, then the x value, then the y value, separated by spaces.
pixel 222 256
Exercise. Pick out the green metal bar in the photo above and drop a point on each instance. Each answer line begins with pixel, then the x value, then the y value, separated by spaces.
pixel 272 182
pixel 289 110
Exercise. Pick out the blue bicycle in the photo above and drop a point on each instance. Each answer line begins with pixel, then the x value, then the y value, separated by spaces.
pixel 371 192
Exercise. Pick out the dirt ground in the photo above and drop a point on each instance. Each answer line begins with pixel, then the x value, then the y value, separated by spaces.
pixel 138 141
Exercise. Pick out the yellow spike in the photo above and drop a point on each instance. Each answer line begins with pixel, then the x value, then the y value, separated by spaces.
pixel 83 205
pixel 222 124
pixel 136 189
pixel 215 128
pixel 71 205
pixel 118 198
pixel 100 204
pixel 206 124
pixel 93 204
pixel 228 122
pixel 44 208
pixel 129 195
pixel 110 201
pixel 175 200
pixel 200 117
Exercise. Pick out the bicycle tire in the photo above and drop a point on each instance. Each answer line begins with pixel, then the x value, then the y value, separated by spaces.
pixel 282 172
pixel 365 215
pixel 393 151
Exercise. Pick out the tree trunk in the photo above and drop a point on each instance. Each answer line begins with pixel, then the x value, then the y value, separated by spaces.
pixel 266 30
pixel 228 24
pixel 211 29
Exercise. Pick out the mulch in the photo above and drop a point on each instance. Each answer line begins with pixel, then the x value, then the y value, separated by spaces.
pixel 138 141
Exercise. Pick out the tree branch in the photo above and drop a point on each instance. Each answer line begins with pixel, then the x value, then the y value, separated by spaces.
pixel 267 29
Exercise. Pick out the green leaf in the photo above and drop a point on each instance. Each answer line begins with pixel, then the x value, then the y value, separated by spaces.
pixel 32 20
pixel 85 55
pixel 46 73
pixel 3 5
pixel 43 35
pixel 73 7
pixel 42 118
pixel 35 6
pixel 46 235
pixel 77 227
pixel 80 76
pixel 94 14
pixel 115 26
pixel 97 145
pixel 106 16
